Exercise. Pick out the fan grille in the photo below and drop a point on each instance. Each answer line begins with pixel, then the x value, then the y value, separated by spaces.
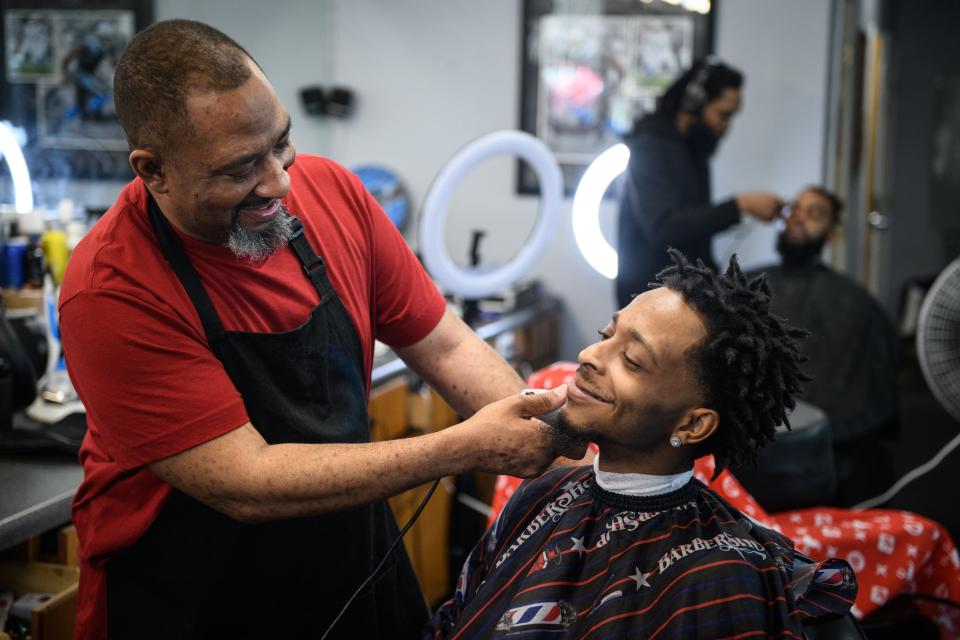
pixel 938 338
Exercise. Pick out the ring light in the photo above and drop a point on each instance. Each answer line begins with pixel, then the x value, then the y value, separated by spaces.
pixel 10 150
pixel 471 284
pixel 586 209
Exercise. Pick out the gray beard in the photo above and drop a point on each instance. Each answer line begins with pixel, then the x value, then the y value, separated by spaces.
pixel 261 243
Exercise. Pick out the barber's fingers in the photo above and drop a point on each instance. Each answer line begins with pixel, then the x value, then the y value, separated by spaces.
pixel 534 402
pixel 778 206
pixel 505 437
pixel 774 208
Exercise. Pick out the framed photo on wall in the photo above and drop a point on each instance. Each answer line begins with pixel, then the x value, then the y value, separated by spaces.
pixel 591 68
pixel 58 59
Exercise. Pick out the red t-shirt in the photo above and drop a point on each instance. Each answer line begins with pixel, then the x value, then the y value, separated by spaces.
pixel 139 358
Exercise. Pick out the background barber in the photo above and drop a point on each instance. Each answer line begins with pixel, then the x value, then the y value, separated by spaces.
pixel 667 197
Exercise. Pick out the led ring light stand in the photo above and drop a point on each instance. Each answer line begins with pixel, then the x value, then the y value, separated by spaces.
pixel 471 284
pixel 10 151
pixel 586 209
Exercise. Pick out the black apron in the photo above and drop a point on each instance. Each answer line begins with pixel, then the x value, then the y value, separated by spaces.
pixel 197 573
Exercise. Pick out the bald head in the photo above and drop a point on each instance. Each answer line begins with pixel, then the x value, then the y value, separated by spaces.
pixel 161 67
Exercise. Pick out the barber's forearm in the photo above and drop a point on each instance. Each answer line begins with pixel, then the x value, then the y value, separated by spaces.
pixel 291 480
pixel 311 479
pixel 467 372
pixel 683 225
pixel 473 376
pixel 242 476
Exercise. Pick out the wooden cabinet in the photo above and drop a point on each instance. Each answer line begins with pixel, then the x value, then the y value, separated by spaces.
pixel 397 411
pixel 55 618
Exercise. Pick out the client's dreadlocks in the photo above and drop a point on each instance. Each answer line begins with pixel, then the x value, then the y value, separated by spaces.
pixel 748 363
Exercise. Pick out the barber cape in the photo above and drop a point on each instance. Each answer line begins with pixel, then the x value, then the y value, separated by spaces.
pixel 569 559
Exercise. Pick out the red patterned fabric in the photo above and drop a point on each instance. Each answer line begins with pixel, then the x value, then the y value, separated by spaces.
pixel 892 552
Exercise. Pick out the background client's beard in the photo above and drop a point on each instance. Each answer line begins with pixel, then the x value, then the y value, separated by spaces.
pixel 799 253
pixel 260 243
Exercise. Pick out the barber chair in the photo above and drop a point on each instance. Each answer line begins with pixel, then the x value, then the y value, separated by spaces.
pixel 833 628
pixel 795 471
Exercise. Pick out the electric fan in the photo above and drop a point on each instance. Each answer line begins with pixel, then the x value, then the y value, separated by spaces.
pixel 938 349
pixel 938 338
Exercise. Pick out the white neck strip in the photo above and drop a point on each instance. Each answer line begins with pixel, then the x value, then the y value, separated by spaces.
pixel 639 484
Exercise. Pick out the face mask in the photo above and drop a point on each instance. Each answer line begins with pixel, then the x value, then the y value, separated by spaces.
pixel 799 253
pixel 702 138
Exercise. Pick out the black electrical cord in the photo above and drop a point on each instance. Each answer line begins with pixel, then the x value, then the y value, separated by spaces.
pixel 376 571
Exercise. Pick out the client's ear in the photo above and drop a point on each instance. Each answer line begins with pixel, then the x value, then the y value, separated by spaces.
pixel 699 424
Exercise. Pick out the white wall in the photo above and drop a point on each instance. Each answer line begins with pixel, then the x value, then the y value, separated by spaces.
pixel 431 75
pixel 777 142
pixel 290 39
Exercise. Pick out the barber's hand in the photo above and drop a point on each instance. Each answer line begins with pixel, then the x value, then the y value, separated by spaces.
pixel 504 437
pixel 765 206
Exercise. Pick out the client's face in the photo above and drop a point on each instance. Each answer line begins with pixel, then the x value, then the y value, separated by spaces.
pixel 806 230
pixel 810 219
pixel 635 384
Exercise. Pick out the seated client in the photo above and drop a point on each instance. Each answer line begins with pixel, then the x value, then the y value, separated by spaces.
pixel 635 546
pixel 852 350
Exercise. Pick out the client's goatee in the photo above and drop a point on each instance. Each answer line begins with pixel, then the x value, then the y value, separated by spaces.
pixel 567 441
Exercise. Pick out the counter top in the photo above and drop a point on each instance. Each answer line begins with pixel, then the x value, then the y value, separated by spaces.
pixel 35 495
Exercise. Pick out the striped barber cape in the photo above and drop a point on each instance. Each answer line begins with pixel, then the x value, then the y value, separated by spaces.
pixel 568 559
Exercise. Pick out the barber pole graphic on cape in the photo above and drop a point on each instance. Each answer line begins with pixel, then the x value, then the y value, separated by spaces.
pixel 540 616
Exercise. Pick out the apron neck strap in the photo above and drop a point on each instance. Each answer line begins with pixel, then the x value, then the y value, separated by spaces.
pixel 313 265
pixel 173 250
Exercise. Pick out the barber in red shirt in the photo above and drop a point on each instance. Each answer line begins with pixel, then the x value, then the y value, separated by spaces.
pixel 219 324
